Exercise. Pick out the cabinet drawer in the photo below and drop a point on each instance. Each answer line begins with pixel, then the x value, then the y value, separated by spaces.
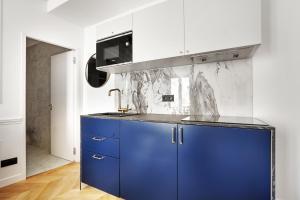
pixel 99 127
pixel 104 146
pixel 100 171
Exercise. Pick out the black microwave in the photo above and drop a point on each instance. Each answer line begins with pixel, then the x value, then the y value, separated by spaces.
pixel 114 50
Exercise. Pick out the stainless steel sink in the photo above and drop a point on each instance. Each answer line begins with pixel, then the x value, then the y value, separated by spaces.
pixel 114 114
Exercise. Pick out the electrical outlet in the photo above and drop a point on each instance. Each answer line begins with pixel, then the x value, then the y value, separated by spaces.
pixel 9 162
pixel 168 98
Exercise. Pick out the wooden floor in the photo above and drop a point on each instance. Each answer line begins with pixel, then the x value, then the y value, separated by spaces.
pixel 58 184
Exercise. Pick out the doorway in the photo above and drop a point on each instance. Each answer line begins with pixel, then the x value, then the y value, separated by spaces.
pixel 49 100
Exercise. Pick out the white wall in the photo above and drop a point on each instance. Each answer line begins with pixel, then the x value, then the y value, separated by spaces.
pixel 52 4
pixel 25 17
pixel 1 51
pixel 277 89
pixel 95 100
pixel 276 81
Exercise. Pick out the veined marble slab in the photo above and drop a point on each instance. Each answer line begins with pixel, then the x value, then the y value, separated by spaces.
pixel 221 88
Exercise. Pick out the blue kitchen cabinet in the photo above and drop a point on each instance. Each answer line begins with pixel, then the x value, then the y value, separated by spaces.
pixel 218 163
pixel 101 128
pixel 100 163
pixel 148 161
pixel 105 146
pixel 152 161
pixel 101 172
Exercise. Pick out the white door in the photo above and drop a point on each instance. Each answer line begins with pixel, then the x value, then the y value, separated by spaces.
pixel 62 100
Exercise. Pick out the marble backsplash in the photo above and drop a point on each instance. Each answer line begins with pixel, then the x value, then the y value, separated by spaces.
pixel 221 88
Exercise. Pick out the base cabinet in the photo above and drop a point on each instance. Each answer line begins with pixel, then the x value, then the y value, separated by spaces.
pixel 162 161
pixel 148 161
pixel 101 172
pixel 100 163
pixel 223 163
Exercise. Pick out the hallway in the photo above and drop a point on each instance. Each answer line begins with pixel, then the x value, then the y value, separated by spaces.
pixel 39 160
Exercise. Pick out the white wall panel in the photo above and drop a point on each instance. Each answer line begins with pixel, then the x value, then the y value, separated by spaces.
pixel 20 19
pixel 277 89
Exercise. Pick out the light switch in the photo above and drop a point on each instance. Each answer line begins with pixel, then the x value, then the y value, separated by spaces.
pixel 168 98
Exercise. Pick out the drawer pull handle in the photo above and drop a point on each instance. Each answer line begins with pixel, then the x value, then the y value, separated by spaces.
pixel 99 139
pixel 98 158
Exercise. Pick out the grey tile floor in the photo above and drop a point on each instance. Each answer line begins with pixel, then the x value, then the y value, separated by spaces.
pixel 39 160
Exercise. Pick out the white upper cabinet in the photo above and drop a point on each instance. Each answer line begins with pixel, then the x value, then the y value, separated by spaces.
pixel 158 31
pixel 221 24
pixel 114 27
pixel 173 28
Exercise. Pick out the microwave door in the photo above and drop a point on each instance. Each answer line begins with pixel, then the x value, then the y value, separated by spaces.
pixel 111 55
pixel 108 53
pixel 126 48
pixel 114 51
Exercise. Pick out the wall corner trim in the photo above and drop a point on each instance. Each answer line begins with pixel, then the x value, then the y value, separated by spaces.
pixel 11 121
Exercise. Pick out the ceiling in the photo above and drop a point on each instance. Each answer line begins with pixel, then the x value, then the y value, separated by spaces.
pixel 88 12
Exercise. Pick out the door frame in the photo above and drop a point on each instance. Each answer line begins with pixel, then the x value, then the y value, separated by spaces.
pixel 23 94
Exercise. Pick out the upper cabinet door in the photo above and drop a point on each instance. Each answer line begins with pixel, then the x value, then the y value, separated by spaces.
pixel 158 31
pixel 217 24
pixel 114 27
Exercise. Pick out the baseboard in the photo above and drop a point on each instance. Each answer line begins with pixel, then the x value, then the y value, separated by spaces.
pixel 83 185
pixel 10 180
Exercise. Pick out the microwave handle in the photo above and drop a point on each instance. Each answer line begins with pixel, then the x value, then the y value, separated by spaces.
pixel 114 37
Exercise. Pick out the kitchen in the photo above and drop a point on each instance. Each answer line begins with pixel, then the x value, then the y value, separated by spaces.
pixel 186 108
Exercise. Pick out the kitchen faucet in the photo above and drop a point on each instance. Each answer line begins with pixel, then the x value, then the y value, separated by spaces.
pixel 120 109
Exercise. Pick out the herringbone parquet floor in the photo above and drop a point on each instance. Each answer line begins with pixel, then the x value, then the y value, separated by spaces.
pixel 58 184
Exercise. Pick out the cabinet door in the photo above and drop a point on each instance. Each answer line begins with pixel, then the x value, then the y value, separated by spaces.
pixel 100 171
pixel 114 27
pixel 224 163
pixel 148 161
pixel 217 24
pixel 158 31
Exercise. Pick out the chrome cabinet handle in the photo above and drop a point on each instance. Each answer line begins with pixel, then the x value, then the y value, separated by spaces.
pixel 180 135
pixel 98 139
pixel 173 135
pixel 98 158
